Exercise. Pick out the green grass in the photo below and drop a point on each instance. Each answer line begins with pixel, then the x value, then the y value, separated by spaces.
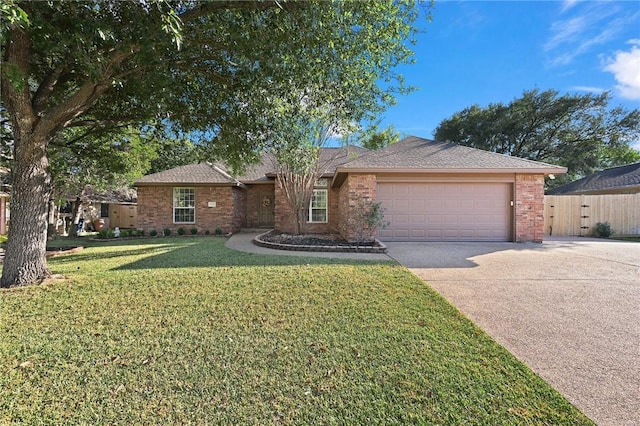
pixel 632 239
pixel 185 331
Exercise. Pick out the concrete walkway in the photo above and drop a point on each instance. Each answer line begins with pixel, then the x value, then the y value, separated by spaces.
pixel 569 309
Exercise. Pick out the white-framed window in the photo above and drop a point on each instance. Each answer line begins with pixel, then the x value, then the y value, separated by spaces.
pixel 184 205
pixel 319 206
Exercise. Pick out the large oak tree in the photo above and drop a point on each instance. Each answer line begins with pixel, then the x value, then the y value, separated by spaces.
pixel 204 69
pixel 580 132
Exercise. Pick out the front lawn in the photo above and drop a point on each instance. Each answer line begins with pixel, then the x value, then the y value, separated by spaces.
pixel 185 331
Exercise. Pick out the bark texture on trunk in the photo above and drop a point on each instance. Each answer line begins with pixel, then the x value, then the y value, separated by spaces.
pixel 75 218
pixel 25 260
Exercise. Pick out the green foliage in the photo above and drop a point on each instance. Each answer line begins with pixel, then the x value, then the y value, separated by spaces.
pixel 602 230
pixel 187 331
pixel 153 233
pixel 207 232
pixel 366 219
pixel 106 234
pixel 193 231
pixel 580 132
pixel 181 231
pixel 166 232
pixel 381 139
pixel 218 231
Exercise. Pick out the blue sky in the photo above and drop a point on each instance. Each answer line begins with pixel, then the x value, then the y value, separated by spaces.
pixel 479 52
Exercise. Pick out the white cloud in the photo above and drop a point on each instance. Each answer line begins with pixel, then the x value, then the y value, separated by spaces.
pixel 568 4
pixel 587 89
pixel 590 24
pixel 625 67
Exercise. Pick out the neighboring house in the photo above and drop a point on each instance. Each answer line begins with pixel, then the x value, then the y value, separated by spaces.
pixel 116 208
pixel 611 195
pixel 4 212
pixel 112 208
pixel 5 196
pixel 430 191
pixel 616 180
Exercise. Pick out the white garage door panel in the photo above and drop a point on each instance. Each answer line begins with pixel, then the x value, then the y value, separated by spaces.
pixel 446 211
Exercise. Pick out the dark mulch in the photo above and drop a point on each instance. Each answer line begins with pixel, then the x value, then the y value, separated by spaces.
pixel 311 240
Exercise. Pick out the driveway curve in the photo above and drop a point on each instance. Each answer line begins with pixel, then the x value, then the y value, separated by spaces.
pixel 568 308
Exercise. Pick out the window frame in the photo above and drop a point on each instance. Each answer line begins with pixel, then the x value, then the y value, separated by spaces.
pixel 325 208
pixel 176 200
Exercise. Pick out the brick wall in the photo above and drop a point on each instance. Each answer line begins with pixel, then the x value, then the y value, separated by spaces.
pixel 529 208
pixel 155 209
pixel 285 222
pixel 354 188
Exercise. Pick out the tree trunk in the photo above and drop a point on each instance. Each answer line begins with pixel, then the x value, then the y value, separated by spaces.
pixel 75 218
pixel 25 261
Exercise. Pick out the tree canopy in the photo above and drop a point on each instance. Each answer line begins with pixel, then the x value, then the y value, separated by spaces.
pixel 215 70
pixel 580 132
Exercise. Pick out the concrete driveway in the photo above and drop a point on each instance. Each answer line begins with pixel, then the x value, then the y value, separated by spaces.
pixel 569 309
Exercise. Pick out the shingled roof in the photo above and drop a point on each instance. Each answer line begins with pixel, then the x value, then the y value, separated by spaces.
pixel 193 174
pixel 410 154
pixel 415 153
pixel 622 179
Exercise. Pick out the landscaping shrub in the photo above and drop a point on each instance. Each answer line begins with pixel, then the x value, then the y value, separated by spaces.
pixel 181 231
pixel 105 234
pixel 140 232
pixel 166 232
pixel 153 233
pixel 218 231
pixel 603 230
pixel 194 231
pixel 367 219
pixel 207 232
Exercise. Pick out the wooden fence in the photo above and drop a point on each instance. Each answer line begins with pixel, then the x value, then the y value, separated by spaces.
pixel 577 215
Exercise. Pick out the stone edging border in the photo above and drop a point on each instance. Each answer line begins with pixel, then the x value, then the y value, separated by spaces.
pixel 379 249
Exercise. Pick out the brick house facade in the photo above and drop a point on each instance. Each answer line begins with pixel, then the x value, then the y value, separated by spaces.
pixel 206 197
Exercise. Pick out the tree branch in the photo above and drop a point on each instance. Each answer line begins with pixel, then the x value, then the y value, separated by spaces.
pixel 46 87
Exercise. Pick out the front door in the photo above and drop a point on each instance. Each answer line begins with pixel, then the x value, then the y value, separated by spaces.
pixel 265 209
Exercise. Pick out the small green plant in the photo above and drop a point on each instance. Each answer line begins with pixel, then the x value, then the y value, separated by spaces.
pixel 367 218
pixel 193 231
pixel 181 231
pixel 603 230
pixel 125 233
pixel 218 231
pixel 105 234
pixel 153 233
pixel 166 232
pixel 207 232
pixel 140 232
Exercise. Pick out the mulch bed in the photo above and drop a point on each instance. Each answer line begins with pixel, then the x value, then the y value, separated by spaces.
pixel 312 240
pixel 316 242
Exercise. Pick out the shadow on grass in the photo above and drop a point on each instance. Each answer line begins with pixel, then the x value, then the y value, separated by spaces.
pixel 210 252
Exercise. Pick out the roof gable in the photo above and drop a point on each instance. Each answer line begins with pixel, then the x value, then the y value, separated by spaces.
pixel 202 173
pixel 614 179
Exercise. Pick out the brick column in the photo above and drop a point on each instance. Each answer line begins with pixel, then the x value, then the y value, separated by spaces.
pixel 529 208
pixel 355 187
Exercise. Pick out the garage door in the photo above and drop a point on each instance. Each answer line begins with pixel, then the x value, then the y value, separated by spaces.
pixel 446 211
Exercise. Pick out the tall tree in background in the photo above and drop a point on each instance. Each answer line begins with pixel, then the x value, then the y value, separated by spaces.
pixel 579 132
pixel 206 67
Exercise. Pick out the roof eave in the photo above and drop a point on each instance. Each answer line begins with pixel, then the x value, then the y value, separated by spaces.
pixel 557 170
pixel 181 184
